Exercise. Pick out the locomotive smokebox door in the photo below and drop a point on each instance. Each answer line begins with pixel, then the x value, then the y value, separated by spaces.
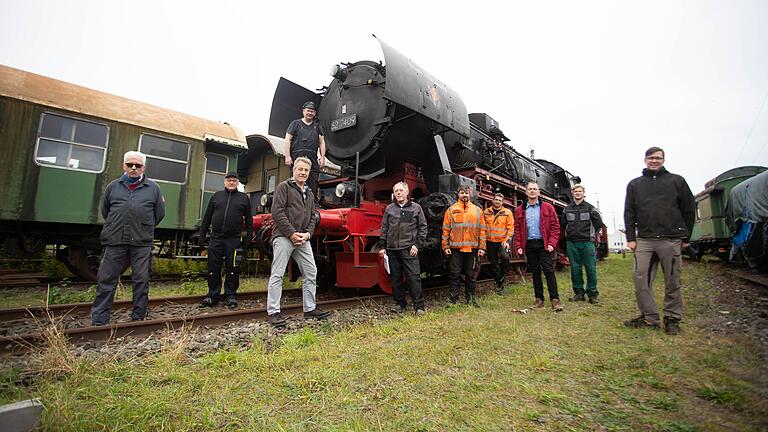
pixel 286 105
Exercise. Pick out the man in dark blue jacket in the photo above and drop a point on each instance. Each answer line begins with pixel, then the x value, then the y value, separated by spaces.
pixel 132 207
pixel 228 212
pixel 659 212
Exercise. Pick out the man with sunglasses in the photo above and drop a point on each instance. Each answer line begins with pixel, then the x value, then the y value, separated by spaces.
pixel 659 213
pixel 132 208
pixel 228 211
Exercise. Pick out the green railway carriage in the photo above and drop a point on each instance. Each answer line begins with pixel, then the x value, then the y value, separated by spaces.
pixel 61 145
pixel 710 232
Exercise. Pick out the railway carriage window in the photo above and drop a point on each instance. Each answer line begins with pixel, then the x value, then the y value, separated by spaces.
pixel 70 143
pixel 271 183
pixel 215 170
pixel 166 158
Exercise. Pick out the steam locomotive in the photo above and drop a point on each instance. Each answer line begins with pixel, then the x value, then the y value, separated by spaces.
pixel 392 122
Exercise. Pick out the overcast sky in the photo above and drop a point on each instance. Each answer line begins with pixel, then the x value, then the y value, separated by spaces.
pixel 589 84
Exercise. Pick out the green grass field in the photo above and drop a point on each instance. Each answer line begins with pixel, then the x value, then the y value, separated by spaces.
pixel 466 369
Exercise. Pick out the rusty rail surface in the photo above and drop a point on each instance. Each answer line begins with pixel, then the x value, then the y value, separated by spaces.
pixel 63 309
pixel 22 343
pixel 27 342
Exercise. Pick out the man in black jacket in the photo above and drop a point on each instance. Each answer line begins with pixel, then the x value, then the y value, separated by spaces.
pixel 403 233
pixel 228 211
pixel 293 212
pixel 659 213
pixel 582 220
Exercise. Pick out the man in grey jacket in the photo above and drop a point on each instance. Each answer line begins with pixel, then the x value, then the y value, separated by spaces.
pixel 132 207
pixel 293 211
pixel 403 233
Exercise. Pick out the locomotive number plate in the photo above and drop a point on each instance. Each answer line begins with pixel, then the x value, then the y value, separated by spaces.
pixel 344 122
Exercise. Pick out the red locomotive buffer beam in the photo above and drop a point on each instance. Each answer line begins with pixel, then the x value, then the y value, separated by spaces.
pixel 349 234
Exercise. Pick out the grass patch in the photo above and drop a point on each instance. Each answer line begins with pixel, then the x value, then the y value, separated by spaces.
pixel 458 368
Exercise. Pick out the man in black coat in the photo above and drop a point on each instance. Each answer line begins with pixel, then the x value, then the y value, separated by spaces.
pixel 659 212
pixel 403 233
pixel 228 211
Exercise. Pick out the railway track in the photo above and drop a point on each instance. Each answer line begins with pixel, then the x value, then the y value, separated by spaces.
pixel 52 311
pixel 34 280
pixel 752 278
pixel 21 343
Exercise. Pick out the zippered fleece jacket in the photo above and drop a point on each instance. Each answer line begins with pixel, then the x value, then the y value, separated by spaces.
pixel 659 204
pixel 291 211
pixel 228 211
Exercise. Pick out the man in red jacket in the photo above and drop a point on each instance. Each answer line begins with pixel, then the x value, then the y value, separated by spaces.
pixel 537 231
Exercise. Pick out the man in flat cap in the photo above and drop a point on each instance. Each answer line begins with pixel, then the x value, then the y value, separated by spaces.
pixel 229 211
pixel 304 137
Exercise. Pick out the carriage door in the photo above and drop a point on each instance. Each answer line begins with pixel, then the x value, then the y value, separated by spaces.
pixel 216 167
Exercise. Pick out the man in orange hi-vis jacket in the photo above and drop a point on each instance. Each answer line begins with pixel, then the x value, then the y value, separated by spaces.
pixel 499 227
pixel 463 242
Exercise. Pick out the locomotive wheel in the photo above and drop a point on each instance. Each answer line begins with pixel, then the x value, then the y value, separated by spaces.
pixel 83 263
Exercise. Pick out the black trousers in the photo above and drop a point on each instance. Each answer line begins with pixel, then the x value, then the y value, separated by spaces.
pixel 402 266
pixel 540 260
pixel 222 250
pixel 499 259
pixel 114 261
pixel 462 263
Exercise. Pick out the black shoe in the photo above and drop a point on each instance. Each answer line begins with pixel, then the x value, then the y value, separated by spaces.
pixel 576 298
pixel 398 309
pixel 231 302
pixel 276 320
pixel 593 300
pixel 671 326
pixel 641 322
pixel 210 302
pixel 316 313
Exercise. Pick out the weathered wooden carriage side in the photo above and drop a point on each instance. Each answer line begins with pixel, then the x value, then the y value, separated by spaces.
pixel 61 144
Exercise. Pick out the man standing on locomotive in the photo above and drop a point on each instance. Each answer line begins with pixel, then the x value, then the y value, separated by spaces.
pixel 227 212
pixel 500 226
pixel 133 206
pixel 304 137
pixel 293 212
pixel 659 212
pixel 582 221
pixel 403 233
pixel 537 231
pixel 463 241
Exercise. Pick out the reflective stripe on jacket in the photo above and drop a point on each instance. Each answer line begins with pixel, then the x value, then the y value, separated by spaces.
pixel 499 225
pixel 463 227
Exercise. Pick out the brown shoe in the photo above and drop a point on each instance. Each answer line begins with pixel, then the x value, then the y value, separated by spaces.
pixel 538 304
pixel 556 305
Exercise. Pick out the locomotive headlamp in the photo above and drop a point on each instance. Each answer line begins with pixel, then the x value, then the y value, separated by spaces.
pixel 340 190
pixel 339 73
pixel 266 200
pixel 346 190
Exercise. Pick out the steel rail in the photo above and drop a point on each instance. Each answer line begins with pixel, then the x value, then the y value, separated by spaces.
pixel 63 309
pixel 22 343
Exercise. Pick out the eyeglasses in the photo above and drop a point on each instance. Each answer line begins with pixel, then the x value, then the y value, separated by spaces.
pixel 654 158
pixel 134 165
